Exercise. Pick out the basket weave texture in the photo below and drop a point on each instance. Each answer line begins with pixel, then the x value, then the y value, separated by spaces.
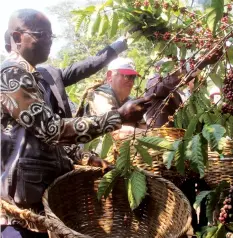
pixel 71 202
pixel 158 167
pixel 219 167
pixel 25 217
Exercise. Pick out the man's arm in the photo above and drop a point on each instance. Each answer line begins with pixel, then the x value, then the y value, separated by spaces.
pixel 22 99
pixel 91 65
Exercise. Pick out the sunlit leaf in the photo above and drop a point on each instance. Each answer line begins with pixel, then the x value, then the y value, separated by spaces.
pixel 92 145
pixel 155 143
pixel 213 134
pixel 215 13
pixel 114 25
pixel 106 145
pixel 96 24
pixel 123 161
pixel 104 24
pixel 199 198
pixel 168 157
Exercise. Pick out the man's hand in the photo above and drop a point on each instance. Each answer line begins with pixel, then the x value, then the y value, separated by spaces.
pixel 96 161
pixel 133 110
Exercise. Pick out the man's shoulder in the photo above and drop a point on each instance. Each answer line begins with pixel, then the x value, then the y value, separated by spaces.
pixel 46 67
pixel 49 72
pixel 104 88
pixel 7 64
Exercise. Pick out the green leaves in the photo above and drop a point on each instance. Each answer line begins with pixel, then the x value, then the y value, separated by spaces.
pixel 96 24
pixel 168 156
pixel 230 54
pixel 213 134
pixel 107 182
pixel 144 153
pixel 199 198
pixel 123 161
pixel 92 144
pixel 114 25
pixel 216 232
pixel 104 24
pixel 136 188
pixel 180 158
pixel 194 154
pixel 106 145
pixel 167 67
pixel 215 13
pixel 155 143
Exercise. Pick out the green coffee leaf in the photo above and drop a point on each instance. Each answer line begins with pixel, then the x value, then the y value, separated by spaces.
pixel 107 182
pixel 123 161
pixel 114 25
pixel 168 157
pixel 215 13
pixel 213 133
pixel 179 158
pixel 104 24
pixel 194 154
pixel 96 24
pixel 136 188
pixel 199 198
pixel 106 145
pixel 92 145
pixel 155 143
pixel 144 153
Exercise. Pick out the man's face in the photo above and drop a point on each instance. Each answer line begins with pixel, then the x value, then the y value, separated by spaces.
pixel 121 84
pixel 35 43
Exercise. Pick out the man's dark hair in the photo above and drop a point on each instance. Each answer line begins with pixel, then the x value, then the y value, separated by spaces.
pixel 7 38
pixel 26 16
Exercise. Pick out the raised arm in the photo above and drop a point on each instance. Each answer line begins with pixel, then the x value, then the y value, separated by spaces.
pixel 91 65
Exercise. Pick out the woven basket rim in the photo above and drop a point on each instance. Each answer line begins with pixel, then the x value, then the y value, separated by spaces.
pixel 26 214
pixel 144 133
pixel 80 169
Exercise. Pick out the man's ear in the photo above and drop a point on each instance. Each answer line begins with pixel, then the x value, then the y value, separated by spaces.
pixel 16 37
pixel 109 76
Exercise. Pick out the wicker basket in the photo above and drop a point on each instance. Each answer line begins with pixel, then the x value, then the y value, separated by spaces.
pixel 218 169
pixel 72 204
pixel 25 218
pixel 158 167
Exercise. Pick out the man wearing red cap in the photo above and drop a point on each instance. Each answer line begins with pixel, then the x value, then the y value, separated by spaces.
pixel 115 92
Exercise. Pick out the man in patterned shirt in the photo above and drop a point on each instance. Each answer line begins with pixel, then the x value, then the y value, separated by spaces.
pixel 32 134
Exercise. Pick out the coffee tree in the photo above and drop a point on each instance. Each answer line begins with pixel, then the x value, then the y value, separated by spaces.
pixel 187 37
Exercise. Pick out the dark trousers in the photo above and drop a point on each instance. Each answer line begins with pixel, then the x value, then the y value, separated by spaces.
pixel 20 232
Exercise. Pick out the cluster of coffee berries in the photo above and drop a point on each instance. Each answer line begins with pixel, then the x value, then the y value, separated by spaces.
pixel 226 212
pixel 229 7
pixel 227 108
pixel 192 63
pixel 166 6
pixel 228 93
pixel 137 4
pixel 167 36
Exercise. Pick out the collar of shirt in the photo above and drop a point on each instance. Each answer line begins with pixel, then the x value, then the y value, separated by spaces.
pixel 16 57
